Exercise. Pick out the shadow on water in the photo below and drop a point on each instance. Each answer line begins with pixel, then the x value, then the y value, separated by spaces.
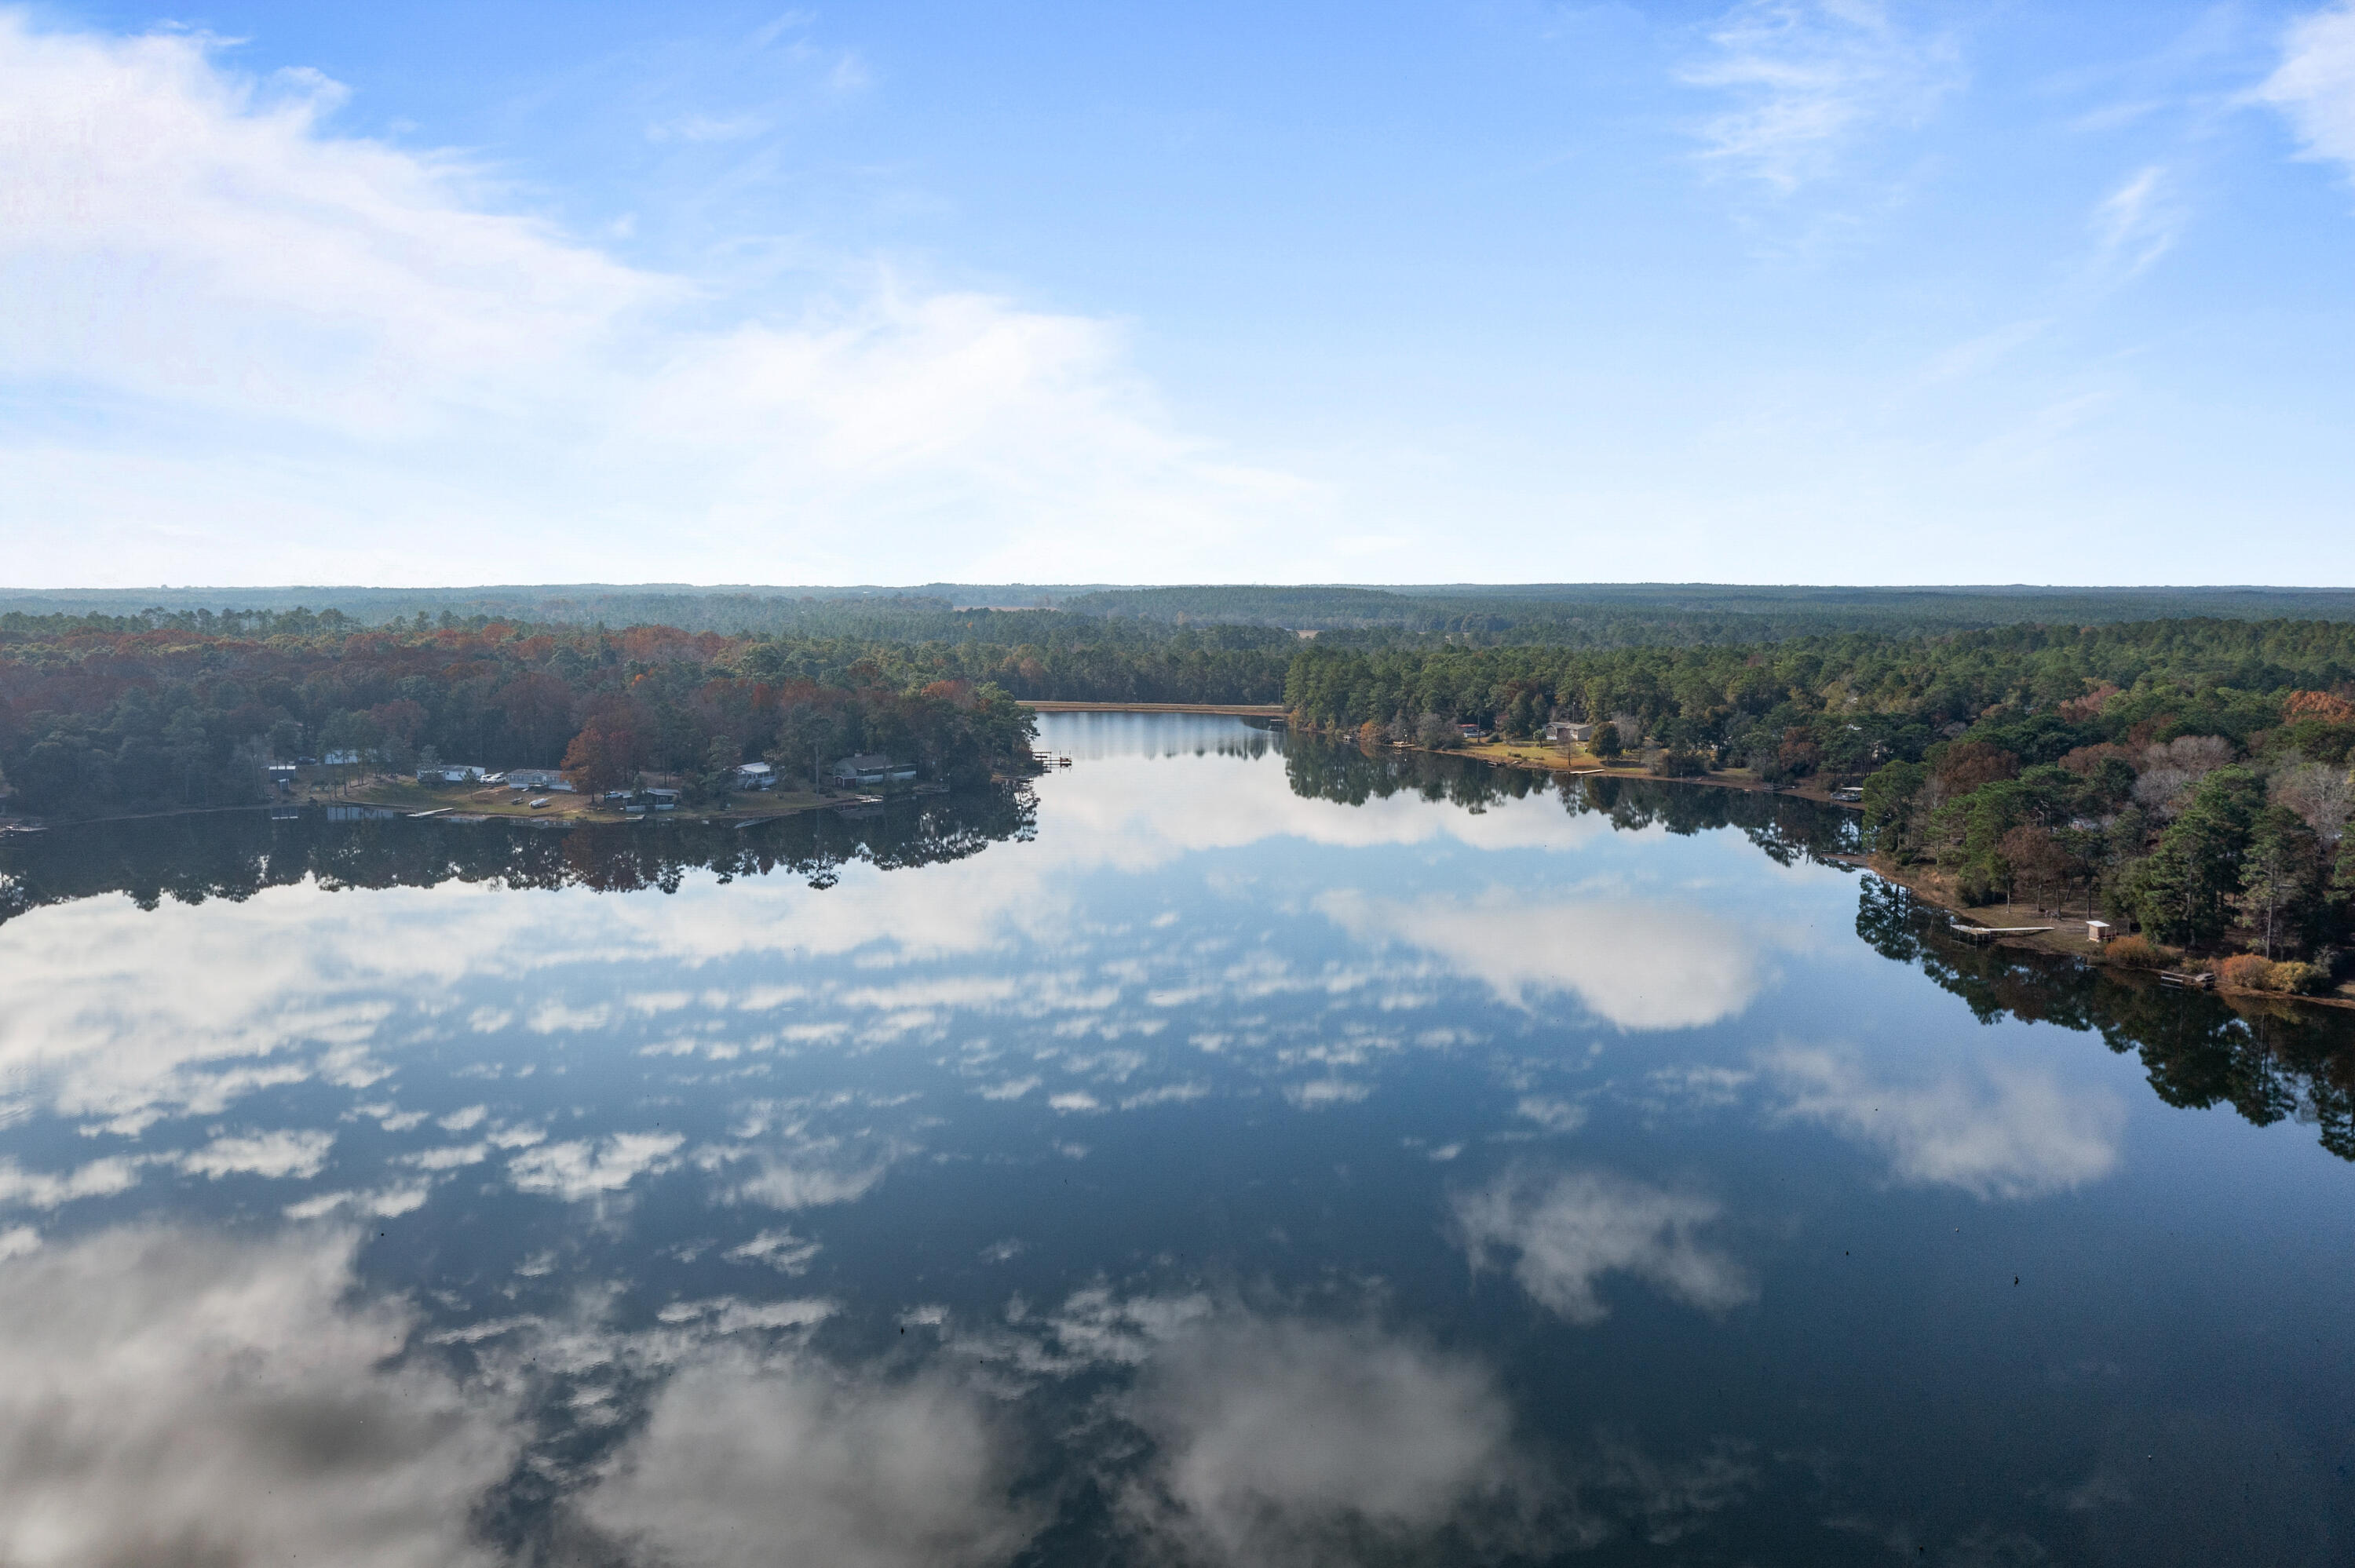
pixel 2271 1061
pixel 2268 1060
pixel 191 859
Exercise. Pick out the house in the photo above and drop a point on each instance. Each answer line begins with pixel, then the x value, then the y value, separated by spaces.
pixel 448 773
pixel 1564 731
pixel 1471 731
pixel 2097 931
pixel 536 778
pixel 871 767
pixel 348 757
pixel 663 799
pixel 755 776
pixel 280 774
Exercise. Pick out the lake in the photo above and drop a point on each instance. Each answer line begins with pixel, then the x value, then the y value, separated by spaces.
pixel 1228 1149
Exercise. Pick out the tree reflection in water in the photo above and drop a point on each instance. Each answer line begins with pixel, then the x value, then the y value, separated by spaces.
pixel 234 855
pixel 2267 1059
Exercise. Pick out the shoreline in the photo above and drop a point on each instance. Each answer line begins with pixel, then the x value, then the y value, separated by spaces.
pixel 1230 710
pixel 1925 886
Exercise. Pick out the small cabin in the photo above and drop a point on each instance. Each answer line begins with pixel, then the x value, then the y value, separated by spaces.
pixel 870 767
pixel 663 799
pixel 754 776
pixel 538 778
pixel 1569 732
pixel 2097 931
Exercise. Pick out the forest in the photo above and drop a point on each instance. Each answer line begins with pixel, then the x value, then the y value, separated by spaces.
pixel 2188 777
pixel 100 715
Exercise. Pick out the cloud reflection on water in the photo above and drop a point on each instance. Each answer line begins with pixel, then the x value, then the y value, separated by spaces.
pixel 1638 965
pixel 1992 1129
pixel 182 1397
pixel 1287 1441
pixel 749 1461
pixel 1569 1229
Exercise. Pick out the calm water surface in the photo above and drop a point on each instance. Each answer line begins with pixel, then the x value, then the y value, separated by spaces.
pixel 1229 1152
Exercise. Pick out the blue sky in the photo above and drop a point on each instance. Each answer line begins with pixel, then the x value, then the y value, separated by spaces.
pixel 1768 292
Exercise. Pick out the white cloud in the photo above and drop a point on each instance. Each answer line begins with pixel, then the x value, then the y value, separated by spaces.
pixel 781 1250
pixel 45 1189
pixel 272 327
pixel 742 1462
pixel 1319 1093
pixel 1640 966
pixel 171 1397
pixel 1812 79
pixel 2002 1130
pixel 2314 85
pixel 1572 1229
pixel 1292 1442
pixel 810 1178
pixel 279 1155
pixel 584 1168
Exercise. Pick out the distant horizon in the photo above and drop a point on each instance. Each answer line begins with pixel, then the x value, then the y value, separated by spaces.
pixel 1404 588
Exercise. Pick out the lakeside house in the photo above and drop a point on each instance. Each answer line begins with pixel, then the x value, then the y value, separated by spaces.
pixel 754 776
pixel 872 768
pixel 349 758
pixel 448 773
pixel 1569 732
pixel 663 799
pixel 538 778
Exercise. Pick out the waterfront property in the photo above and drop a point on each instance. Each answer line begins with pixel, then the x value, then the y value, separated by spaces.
pixel 869 768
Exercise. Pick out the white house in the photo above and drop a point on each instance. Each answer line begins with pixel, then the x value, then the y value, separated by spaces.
pixel 346 758
pixel 1566 732
pixel 755 776
pixel 536 778
pixel 449 773
pixel 870 767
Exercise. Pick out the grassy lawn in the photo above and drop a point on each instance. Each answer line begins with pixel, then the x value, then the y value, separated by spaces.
pixel 461 800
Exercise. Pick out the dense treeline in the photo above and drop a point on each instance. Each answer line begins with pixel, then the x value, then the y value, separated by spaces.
pixel 1044 656
pixel 98 716
pixel 1578 615
pixel 1633 615
pixel 2188 777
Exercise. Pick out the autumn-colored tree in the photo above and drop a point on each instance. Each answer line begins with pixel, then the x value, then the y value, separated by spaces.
pixel 2034 857
pixel 1968 763
pixel 2320 705
pixel 605 754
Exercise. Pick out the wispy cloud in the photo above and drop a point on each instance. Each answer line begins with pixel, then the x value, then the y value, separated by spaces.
pixel 2314 85
pixel 253 308
pixel 1809 78
pixel 2137 223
